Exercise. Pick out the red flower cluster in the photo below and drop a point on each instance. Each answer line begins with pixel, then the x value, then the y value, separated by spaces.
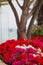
pixel 31 52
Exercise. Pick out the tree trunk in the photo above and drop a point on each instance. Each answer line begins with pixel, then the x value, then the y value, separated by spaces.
pixel 22 30
pixel 21 25
pixel 22 34
pixel 33 19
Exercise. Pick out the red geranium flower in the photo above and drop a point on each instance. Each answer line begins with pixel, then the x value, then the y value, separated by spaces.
pixel 24 56
pixel 38 60
pixel 6 55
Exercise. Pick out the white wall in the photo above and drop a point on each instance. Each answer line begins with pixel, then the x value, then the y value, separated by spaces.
pixel 8 26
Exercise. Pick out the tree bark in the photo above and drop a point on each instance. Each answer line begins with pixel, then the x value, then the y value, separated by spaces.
pixel 14 11
pixel 23 20
pixel 21 25
pixel 33 19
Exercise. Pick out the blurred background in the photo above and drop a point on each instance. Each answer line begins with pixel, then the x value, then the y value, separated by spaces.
pixel 8 28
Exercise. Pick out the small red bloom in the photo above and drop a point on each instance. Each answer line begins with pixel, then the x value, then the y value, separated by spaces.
pixel 38 59
pixel 24 56
pixel 6 55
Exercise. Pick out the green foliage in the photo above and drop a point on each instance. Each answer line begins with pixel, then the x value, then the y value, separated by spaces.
pixel 38 31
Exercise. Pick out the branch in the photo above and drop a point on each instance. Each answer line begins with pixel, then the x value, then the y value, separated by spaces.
pixel 31 13
pixel 19 4
pixel 15 12
pixel 33 18
pixel 30 2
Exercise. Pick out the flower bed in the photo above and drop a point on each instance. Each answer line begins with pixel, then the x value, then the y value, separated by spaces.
pixel 22 52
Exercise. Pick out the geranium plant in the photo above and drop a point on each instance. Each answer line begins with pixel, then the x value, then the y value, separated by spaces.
pixel 22 52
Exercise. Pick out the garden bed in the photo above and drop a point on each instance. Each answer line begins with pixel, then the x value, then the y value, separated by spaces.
pixel 22 52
